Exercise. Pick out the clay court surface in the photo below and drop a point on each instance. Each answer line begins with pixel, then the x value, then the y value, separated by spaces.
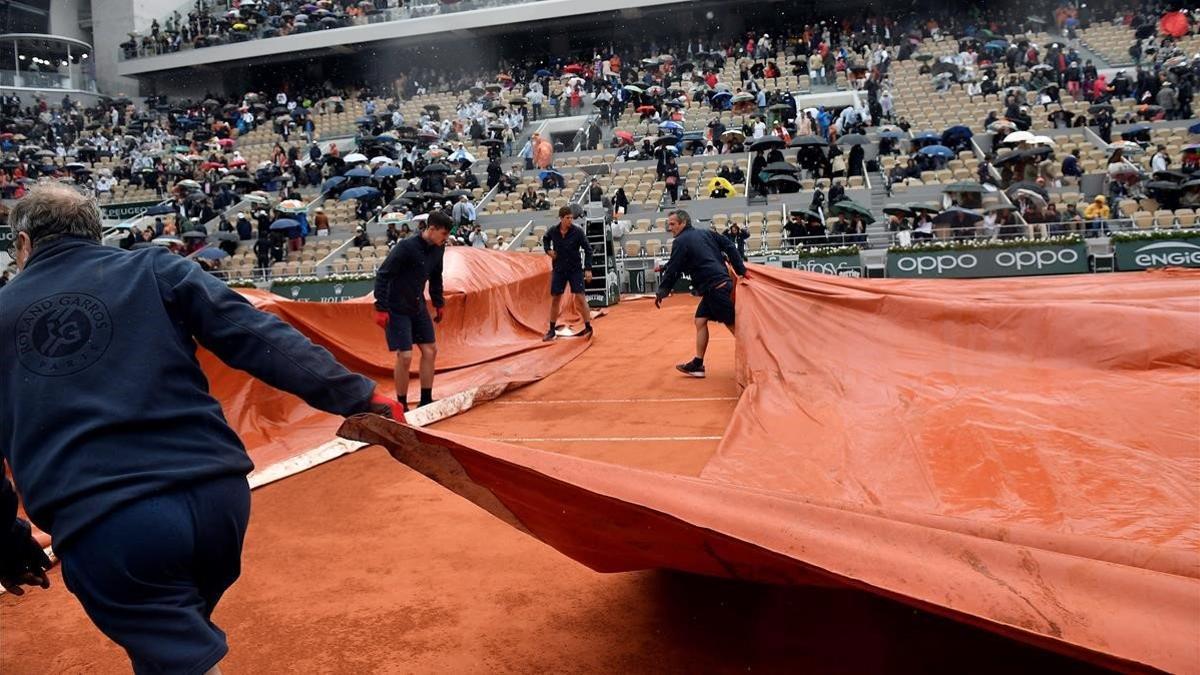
pixel 363 565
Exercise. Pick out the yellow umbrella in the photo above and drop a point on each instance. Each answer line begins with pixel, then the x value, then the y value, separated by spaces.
pixel 712 185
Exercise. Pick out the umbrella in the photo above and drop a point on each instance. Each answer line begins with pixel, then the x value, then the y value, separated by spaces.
pixel 1018 137
pixel 937 151
pixel 1174 24
pixel 223 236
pixel 436 167
pixel 784 178
pixel 732 136
pixel 1194 129
pixel 853 139
pixel 380 159
pixel 898 211
pixel 195 234
pixel 1127 147
pixel 358 172
pixel 388 171
pixel 673 126
pixel 285 224
pixel 1173 176
pixel 743 97
pixel 923 208
pixel 542 72
pixel 767 143
pixel 1163 186
pixel 954 213
pixel 358 193
pixel 928 137
pixel 354 158
pixel 804 213
pixel 780 167
pixel 944 67
pixel 257 199
pixel 332 183
pixel 1135 130
pixel 848 206
pixel 1001 124
pixel 808 141
pixel 964 187
pixel 715 182
pixel 543 175
pixel 290 206
pixel 1037 152
pixel 1100 107
pixel 188 184
pixel 1124 171
pixel 1027 186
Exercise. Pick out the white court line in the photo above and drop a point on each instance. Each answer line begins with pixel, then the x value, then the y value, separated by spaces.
pixel 621 400
pixel 606 439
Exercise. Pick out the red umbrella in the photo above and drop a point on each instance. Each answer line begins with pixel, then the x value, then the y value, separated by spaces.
pixel 624 136
pixel 226 142
pixel 211 165
pixel 573 68
pixel 1174 24
pixel 645 109
pixel 238 162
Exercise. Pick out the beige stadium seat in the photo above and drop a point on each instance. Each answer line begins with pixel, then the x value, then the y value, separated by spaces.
pixel 654 247
pixel 633 249
pixel 1164 218
pixel 1143 220
pixel 1186 217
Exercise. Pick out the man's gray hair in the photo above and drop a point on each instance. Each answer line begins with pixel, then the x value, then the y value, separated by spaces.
pixel 54 211
pixel 682 216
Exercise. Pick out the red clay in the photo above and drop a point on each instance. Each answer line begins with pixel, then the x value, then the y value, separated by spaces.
pixel 362 565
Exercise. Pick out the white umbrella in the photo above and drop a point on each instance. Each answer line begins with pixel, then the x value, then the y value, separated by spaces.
pixel 1018 137
pixel 380 159
pixel 354 158
pixel 1127 147
pixel 1042 140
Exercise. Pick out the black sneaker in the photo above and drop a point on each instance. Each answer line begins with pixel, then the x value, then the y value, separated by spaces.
pixel 586 332
pixel 692 368
pixel 549 336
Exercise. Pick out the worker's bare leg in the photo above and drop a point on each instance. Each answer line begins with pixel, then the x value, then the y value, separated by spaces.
pixel 428 364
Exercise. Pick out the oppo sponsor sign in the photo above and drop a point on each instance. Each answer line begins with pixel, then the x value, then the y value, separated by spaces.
pixel 998 262
pixel 1145 254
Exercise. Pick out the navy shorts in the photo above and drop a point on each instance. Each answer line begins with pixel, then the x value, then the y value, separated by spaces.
pixel 717 304
pixel 559 281
pixel 150 573
pixel 405 330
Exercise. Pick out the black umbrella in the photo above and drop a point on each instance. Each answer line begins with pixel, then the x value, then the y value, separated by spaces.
pixel 996 208
pixel 898 211
pixel 808 141
pixel 780 167
pixel 784 178
pixel 944 67
pixel 804 213
pixel 1163 186
pixel 1173 176
pixel 437 167
pixel 767 143
pixel 956 212
pixel 853 139
pixel 1027 185
pixel 1100 107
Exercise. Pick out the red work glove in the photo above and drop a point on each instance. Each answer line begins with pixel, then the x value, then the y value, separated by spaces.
pixel 437 314
pixel 381 318
pixel 389 408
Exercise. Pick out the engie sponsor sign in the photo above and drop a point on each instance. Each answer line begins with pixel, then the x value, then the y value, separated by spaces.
pixel 997 262
pixel 1147 253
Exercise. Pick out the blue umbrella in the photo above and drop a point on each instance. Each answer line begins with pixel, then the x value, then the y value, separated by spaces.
pixel 285 224
pixel 365 120
pixel 937 151
pixel 385 171
pixel 673 126
pixel 359 172
pixel 1135 129
pixel 897 135
pixel 927 136
pixel 542 72
pixel 212 253
pixel 160 210
pixel 332 183
pixel 548 172
pixel 722 95
pixel 997 44
pixel 358 193
pixel 1194 129
pixel 959 130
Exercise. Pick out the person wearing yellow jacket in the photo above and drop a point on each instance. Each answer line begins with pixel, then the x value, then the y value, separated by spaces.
pixel 1096 214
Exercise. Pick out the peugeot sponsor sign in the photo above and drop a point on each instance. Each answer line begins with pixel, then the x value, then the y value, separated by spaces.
pixel 997 262
pixel 1146 253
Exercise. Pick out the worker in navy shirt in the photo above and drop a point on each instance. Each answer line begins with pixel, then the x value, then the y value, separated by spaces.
pixel 564 243
pixel 701 254
pixel 400 301
pixel 129 464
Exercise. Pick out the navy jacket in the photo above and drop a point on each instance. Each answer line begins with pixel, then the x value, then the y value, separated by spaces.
pixel 400 281
pixel 104 400
pixel 701 255
pixel 567 248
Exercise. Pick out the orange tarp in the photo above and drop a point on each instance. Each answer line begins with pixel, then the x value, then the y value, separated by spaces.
pixel 1023 455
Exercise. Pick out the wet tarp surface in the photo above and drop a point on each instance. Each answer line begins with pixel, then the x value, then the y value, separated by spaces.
pixel 1020 454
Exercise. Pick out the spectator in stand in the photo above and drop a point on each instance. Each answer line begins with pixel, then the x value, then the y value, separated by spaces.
pixel 361 238
pixel 479 238
pixel 738 236
pixel 1096 214
pixel 1071 168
